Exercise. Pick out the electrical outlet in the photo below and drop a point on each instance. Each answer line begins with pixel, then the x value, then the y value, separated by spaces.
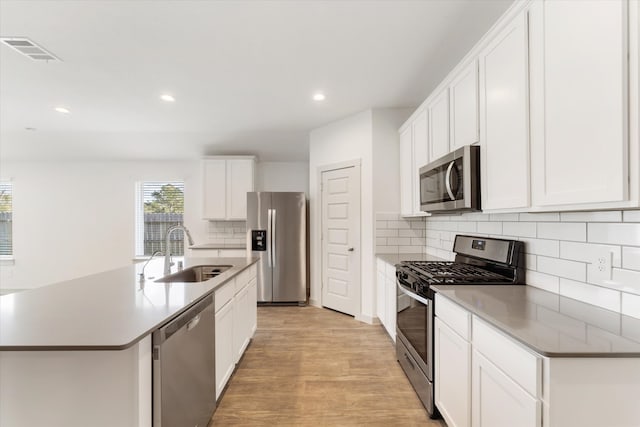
pixel 602 265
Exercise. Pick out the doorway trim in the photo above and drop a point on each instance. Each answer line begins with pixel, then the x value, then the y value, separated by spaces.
pixel 356 163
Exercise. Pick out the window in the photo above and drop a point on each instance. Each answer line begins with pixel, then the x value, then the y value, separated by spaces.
pixel 159 205
pixel 6 219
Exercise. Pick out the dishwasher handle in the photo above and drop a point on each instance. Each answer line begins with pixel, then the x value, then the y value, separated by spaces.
pixel 190 318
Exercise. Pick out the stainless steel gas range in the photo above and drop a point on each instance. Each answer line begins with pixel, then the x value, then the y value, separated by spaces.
pixel 478 261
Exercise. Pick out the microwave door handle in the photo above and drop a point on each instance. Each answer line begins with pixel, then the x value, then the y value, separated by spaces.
pixel 447 180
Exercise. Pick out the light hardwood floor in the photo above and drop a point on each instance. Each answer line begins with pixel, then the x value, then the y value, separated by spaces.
pixel 313 367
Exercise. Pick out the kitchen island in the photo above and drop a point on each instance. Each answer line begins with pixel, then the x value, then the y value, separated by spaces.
pixel 78 353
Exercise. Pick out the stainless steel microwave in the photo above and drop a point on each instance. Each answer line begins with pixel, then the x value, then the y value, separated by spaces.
pixel 452 182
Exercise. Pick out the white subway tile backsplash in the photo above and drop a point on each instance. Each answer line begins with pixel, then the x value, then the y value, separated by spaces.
pixel 588 252
pixel 630 258
pixel 563 268
pixel 631 305
pixel 412 232
pixel 395 234
pixel 381 224
pixel 398 224
pixel 631 216
pixel 231 232
pixel 504 217
pixel 531 262
pixel 615 233
pixel 467 227
pixel 543 281
pixel 474 217
pixel 418 224
pixel 490 227
pixel 605 216
pixel 521 229
pixel 434 243
pixel 626 280
pixel 386 249
pixel 560 250
pixel 541 246
pixel 540 217
pixel 397 241
pixel 387 232
pixel 575 231
pixel 595 295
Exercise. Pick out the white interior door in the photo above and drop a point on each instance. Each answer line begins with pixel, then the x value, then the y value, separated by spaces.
pixel 341 239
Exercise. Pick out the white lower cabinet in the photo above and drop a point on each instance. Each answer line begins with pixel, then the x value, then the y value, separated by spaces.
pixel 241 319
pixel 453 374
pixel 386 294
pixel 482 377
pixel 225 361
pixel 498 401
pixel 236 320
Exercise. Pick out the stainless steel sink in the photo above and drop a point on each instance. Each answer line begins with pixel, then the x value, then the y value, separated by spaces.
pixel 198 273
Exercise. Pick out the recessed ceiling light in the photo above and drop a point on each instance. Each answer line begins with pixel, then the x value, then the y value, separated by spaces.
pixel 319 96
pixel 62 110
pixel 168 98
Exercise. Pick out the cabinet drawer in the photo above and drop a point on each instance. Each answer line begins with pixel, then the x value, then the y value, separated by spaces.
pixel 519 363
pixel 244 277
pixel 454 316
pixel 225 293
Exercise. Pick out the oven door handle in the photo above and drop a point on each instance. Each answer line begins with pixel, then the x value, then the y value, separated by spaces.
pixel 412 295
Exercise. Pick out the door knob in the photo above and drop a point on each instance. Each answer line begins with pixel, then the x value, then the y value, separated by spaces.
pixel 350 249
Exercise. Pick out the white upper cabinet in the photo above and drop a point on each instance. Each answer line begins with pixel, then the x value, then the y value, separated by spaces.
pixel 504 119
pixel 240 181
pixel 439 125
pixel 413 155
pixel 579 101
pixel 420 154
pixel 406 171
pixel 214 175
pixel 226 182
pixel 464 107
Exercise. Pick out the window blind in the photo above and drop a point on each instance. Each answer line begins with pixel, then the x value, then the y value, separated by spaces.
pixel 6 218
pixel 159 205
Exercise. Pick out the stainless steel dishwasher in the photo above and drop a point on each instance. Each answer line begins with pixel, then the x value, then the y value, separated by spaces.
pixel 184 383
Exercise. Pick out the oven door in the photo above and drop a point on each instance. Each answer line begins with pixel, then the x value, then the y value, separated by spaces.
pixel 414 325
pixel 451 183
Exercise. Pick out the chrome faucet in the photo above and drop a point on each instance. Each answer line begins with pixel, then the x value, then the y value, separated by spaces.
pixel 167 252
pixel 145 264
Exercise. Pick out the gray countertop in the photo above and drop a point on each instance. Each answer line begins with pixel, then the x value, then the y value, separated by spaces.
pixel 397 258
pixel 105 311
pixel 548 323
pixel 220 246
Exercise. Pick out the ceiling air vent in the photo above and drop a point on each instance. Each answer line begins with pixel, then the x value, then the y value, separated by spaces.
pixel 29 48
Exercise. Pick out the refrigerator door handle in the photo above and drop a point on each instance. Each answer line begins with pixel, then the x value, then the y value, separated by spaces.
pixel 269 236
pixel 273 239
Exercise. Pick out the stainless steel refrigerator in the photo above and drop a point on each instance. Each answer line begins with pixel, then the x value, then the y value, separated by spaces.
pixel 277 233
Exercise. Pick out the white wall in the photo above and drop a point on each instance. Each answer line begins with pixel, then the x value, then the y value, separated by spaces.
pixel 370 137
pixel 76 218
pixel 561 250
pixel 282 176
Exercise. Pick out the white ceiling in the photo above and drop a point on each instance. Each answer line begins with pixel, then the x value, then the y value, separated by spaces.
pixel 242 72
